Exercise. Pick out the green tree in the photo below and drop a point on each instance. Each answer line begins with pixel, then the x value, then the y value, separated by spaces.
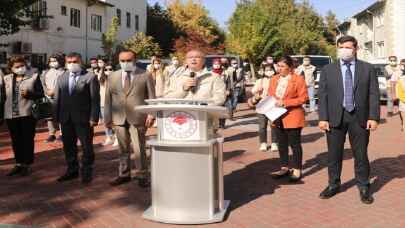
pixel 13 15
pixel 109 38
pixel 162 28
pixel 144 46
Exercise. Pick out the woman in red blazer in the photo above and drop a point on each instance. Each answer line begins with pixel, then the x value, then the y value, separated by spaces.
pixel 290 91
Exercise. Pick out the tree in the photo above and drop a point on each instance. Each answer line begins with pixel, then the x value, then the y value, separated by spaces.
pixel 144 46
pixel 109 38
pixel 13 14
pixel 162 28
pixel 199 30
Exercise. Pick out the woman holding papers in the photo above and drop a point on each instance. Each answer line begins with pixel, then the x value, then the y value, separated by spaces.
pixel 260 91
pixel 290 92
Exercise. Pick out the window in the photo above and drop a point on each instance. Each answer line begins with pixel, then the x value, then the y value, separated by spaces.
pixel 75 18
pixel 63 10
pixel 137 22
pixel 128 20
pixel 379 18
pixel 119 16
pixel 380 49
pixel 96 23
pixel 39 9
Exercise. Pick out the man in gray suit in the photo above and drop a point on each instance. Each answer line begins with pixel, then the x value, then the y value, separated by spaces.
pixel 126 89
pixel 77 109
pixel 349 102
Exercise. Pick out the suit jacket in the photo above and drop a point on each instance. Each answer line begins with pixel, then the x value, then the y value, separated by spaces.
pixel 120 105
pixel 294 97
pixel 84 103
pixel 366 94
pixel 31 83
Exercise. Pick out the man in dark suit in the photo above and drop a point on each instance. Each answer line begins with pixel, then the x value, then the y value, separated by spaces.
pixel 348 103
pixel 77 109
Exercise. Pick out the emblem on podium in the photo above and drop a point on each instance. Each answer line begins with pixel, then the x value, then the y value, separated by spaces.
pixel 180 125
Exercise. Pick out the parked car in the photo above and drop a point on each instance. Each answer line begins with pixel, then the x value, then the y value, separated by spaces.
pixel 319 61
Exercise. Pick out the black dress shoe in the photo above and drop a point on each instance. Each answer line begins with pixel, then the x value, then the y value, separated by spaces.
pixel 86 179
pixel 68 176
pixel 120 180
pixel 365 196
pixel 143 183
pixel 51 138
pixel 25 171
pixel 329 192
pixel 14 171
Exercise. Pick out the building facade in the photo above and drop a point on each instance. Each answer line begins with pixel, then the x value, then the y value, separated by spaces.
pixel 380 30
pixel 63 26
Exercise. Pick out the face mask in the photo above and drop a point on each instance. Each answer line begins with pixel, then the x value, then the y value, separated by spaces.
pixel 234 65
pixel 53 64
pixel 73 67
pixel 156 66
pixel 94 65
pixel 402 67
pixel 175 62
pixel 393 63
pixel 107 72
pixel 216 66
pixel 345 54
pixel 101 65
pixel 270 61
pixel 127 66
pixel 20 70
pixel 306 63
pixel 269 73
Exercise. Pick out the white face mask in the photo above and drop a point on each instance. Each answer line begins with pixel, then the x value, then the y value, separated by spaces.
pixel 345 54
pixel 94 65
pixel 107 73
pixel 175 62
pixel 393 63
pixel 101 65
pixel 270 61
pixel 269 73
pixel 73 67
pixel 127 66
pixel 306 63
pixel 234 65
pixel 156 66
pixel 53 64
pixel 19 70
pixel 216 66
pixel 402 67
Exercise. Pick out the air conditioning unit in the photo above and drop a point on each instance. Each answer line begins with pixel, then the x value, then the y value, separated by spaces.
pixel 26 48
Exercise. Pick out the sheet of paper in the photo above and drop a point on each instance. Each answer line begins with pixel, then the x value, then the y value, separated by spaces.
pixel 268 107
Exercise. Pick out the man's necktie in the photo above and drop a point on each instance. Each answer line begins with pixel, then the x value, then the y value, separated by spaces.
pixel 127 81
pixel 349 98
pixel 72 84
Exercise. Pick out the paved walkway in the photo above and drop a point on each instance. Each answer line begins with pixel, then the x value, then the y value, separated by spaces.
pixel 257 201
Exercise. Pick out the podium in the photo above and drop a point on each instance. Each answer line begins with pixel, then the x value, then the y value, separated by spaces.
pixel 186 162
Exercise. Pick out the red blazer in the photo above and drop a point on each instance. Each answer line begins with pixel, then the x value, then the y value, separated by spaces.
pixel 295 96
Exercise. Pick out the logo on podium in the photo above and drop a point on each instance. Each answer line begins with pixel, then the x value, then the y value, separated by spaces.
pixel 180 125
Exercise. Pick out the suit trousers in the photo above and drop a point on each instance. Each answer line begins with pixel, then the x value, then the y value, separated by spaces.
pixel 127 134
pixel 71 132
pixel 359 140
pixel 22 132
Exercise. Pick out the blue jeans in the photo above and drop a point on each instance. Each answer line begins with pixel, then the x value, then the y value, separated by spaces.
pixel 311 95
pixel 234 97
pixel 108 131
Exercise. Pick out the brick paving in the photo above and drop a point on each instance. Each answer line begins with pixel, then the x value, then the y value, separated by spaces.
pixel 256 200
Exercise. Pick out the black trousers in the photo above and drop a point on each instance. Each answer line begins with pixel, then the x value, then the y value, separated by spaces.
pixel 71 132
pixel 263 123
pixel 289 137
pixel 359 140
pixel 22 132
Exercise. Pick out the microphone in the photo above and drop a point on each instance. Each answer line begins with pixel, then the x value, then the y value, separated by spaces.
pixel 192 75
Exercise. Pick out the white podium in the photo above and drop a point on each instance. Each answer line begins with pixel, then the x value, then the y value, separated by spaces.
pixel 186 169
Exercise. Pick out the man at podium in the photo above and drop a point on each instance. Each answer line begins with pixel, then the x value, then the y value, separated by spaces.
pixel 196 82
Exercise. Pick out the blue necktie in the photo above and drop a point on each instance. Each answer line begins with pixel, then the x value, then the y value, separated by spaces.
pixel 349 98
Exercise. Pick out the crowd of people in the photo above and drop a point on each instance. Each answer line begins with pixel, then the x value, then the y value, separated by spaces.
pixel 348 102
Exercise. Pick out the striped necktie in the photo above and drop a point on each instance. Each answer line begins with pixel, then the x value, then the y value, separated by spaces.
pixel 349 97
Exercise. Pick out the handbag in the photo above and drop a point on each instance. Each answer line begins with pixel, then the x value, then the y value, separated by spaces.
pixel 42 108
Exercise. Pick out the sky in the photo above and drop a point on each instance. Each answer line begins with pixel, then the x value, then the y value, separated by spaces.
pixel 221 10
